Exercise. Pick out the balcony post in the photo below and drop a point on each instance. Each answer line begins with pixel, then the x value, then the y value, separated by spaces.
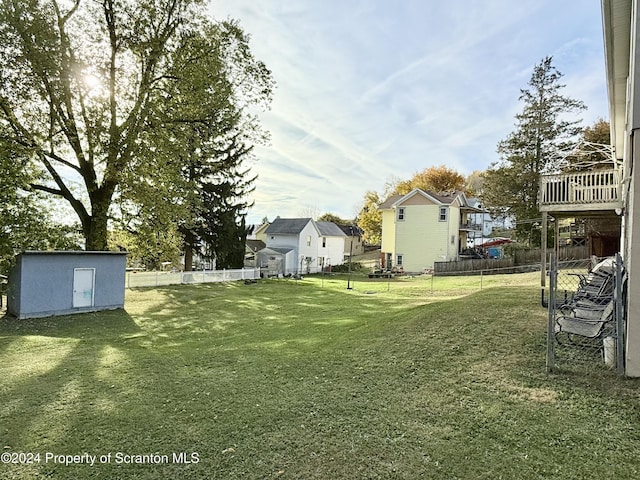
pixel 543 249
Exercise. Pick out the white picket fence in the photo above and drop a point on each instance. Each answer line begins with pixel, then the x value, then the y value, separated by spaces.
pixel 156 279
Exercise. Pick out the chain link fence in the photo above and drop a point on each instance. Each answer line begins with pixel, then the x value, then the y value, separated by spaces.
pixel 586 315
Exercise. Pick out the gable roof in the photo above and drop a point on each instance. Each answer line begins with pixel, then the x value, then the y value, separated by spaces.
pixel 287 226
pixel 445 198
pixel 255 245
pixel 329 229
pixel 293 226
pixel 448 198
pixel 257 228
pixel 390 202
pixel 347 230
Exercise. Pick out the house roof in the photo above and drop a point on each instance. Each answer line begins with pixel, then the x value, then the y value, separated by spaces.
pixel 389 202
pixel 347 229
pixel 255 245
pixel 278 250
pixel 329 229
pixel 293 226
pixel 446 198
pixel 287 226
pixel 256 228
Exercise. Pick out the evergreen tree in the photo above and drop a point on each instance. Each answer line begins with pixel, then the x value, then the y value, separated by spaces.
pixel 543 131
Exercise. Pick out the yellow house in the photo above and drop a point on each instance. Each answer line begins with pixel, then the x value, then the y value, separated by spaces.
pixel 421 228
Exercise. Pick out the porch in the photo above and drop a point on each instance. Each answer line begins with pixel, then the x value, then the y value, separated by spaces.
pixel 580 192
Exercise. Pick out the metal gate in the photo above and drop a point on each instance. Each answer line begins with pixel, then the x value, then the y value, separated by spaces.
pixel 586 323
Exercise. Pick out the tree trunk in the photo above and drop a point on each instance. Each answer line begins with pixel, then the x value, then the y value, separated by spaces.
pixel 188 258
pixel 95 228
pixel 96 235
pixel 189 239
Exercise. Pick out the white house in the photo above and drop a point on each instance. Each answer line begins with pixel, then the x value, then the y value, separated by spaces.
pixel 301 245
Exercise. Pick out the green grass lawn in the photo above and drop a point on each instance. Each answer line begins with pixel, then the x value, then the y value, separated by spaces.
pixel 406 379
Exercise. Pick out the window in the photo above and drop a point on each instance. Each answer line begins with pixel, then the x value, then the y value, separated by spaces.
pixel 324 242
pixel 401 213
pixel 399 260
pixel 309 241
pixel 443 214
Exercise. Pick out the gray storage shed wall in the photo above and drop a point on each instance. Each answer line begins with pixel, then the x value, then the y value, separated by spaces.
pixel 42 283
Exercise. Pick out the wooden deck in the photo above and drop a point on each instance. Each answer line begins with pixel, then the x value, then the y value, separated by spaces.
pixel 596 190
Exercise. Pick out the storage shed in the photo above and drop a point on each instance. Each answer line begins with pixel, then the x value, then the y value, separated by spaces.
pixel 44 284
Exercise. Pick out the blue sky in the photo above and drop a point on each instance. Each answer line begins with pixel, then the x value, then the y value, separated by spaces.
pixel 371 89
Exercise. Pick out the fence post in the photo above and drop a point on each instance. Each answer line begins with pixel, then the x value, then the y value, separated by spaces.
pixel 553 279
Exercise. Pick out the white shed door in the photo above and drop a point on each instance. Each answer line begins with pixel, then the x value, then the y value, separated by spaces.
pixel 83 284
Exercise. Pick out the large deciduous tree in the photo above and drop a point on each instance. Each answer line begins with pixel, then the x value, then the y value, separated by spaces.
pixel 25 223
pixel 370 218
pixel 594 149
pixel 105 94
pixel 332 217
pixel 433 179
pixel 544 129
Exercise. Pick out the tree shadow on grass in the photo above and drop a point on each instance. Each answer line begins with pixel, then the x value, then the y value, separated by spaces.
pixel 106 325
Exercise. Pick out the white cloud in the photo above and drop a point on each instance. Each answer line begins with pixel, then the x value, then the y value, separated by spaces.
pixel 368 89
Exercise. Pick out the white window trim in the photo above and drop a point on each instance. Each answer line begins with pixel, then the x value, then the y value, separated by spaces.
pixel 402 213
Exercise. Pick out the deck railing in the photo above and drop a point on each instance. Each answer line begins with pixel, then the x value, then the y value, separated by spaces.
pixel 471 226
pixel 580 188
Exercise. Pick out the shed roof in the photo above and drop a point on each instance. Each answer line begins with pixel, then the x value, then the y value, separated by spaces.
pixel 279 250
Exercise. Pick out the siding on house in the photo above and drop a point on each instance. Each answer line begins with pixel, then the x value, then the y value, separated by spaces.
pixel 412 228
pixel 388 243
pixel 314 244
pixel 423 239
